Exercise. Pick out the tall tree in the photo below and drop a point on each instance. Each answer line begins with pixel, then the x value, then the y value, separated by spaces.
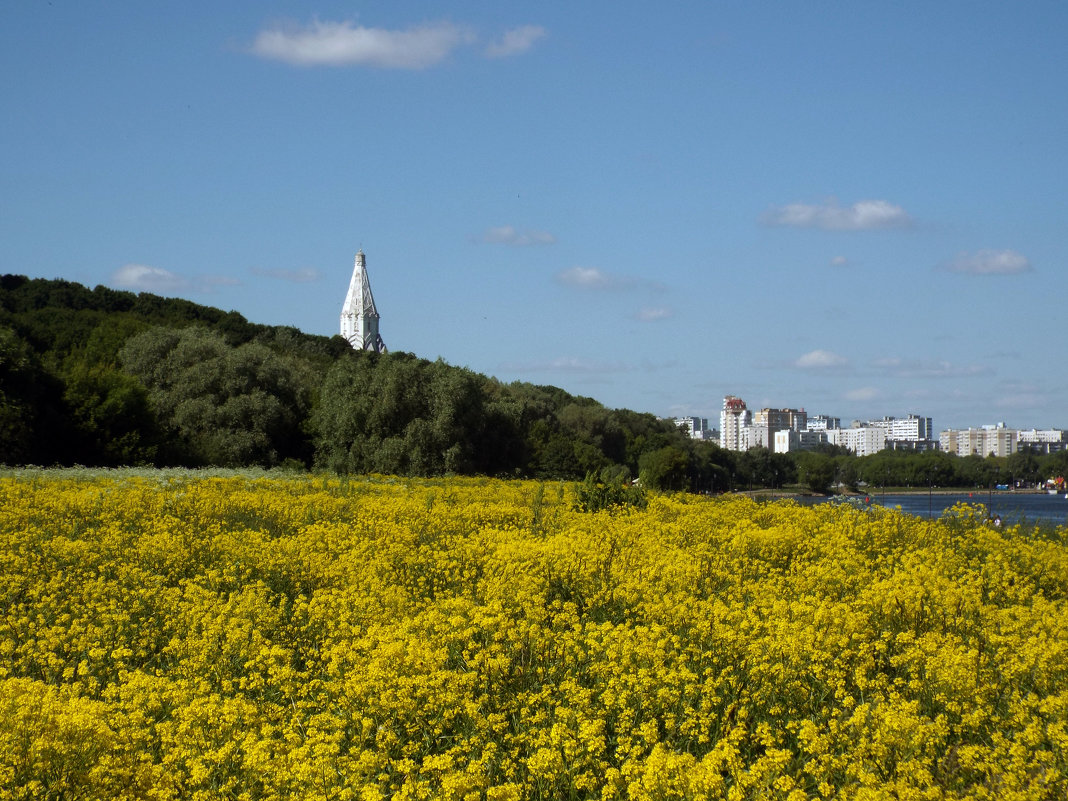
pixel 217 404
pixel 394 413
pixel 33 424
pixel 113 418
pixel 666 468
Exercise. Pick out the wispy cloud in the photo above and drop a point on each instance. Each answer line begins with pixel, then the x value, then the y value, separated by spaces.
pixel 509 235
pixel 989 262
pixel 145 278
pixel 649 314
pixel 820 360
pixel 565 364
pixel 208 282
pixel 304 275
pixel 839 261
pixel 861 216
pixel 515 41
pixel 918 368
pixel 592 278
pixel 1021 395
pixel 862 394
pixel 344 43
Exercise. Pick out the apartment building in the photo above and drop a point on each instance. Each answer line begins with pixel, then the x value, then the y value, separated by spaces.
pixel 1049 440
pixel 862 440
pixel 733 420
pixel 914 432
pixel 786 441
pixel 989 440
pixel 822 422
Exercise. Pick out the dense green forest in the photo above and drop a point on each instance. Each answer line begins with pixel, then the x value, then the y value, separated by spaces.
pixel 102 377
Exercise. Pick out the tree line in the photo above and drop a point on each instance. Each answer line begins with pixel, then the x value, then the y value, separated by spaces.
pixel 105 377
pixel 830 468
pixel 101 377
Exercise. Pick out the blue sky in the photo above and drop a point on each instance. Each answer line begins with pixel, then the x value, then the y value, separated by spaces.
pixel 858 209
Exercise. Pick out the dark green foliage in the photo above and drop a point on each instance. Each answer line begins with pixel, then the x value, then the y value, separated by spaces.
pixel 396 413
pixel 113 420
pixel 936 469
pixel 815 471
pixel 33 426
pixel 759 467
pixel 59 316
pixel 1025 466
pixel 665 468
pixel 70 400
pixel 106 340
pixel 218 404
pixel 20 380
pixel 105 377
pixel 845 470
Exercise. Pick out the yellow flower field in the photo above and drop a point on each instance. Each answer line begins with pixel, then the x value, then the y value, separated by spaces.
pixel 174 636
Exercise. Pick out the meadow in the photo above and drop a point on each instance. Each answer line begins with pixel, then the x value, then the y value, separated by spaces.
pixel 190 636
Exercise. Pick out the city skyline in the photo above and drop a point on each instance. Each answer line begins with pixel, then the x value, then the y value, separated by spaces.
pixel 856 210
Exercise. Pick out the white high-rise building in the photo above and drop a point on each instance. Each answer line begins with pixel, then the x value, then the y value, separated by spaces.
pixel 908 429
pixel 822 422
pixel 1050 440
pixel 733 420
pixel 768 422
pixel 907 433
pixel 786 441
pixel 862 440
pixel 757 436
pixel 359 317
pixel 989 440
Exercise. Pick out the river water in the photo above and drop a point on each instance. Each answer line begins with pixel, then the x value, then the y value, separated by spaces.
pixel 1011 507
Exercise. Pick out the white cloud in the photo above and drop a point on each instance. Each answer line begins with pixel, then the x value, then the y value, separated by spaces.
pixel 596 278
pixel 861 216
pixel 862 394
pixel 649 314
pixel 508 235
pixel 143 278
pixel 989 262
pixel 820 360
pixel 304 275
pixel 342 43
pixel 587 278
pixel 515 41
pixel 839 261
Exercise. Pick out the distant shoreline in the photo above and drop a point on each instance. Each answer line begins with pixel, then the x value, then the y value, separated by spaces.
pixel 799 493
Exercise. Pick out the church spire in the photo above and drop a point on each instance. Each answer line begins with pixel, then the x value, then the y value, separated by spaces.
pixel 359 317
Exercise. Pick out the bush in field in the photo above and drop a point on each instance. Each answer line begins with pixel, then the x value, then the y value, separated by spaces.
pixel 598 493
pixel 196 636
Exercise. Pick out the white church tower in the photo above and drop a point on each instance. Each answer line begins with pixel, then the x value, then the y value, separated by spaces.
pixel 359 317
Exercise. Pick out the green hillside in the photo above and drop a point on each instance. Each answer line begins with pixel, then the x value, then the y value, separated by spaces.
pixel 104 377
pixel 100 377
